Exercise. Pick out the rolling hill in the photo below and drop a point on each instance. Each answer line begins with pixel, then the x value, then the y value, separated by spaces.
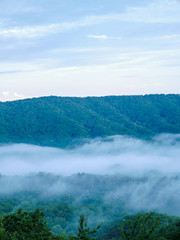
pixel 57 121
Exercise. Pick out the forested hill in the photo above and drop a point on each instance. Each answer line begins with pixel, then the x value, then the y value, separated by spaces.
pixel 55 121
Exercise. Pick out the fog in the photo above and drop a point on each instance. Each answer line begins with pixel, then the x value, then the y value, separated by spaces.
pixel 117 154
pixel 143 175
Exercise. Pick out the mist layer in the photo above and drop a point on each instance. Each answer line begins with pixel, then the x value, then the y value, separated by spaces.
pixel 117 154
pixel 120 171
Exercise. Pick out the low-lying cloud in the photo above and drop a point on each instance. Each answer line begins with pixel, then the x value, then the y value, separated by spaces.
pixel 141 175
pixel 117 154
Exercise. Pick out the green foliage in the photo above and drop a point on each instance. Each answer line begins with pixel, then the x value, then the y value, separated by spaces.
pixel 143 227
pixel 26 225
pixel 22 225
pixel 84 232
pixel 171 232
pixel 58 121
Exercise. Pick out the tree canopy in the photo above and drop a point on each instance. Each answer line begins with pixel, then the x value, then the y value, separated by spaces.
pixel 58 121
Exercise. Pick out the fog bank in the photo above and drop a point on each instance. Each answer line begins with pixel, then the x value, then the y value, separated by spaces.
pixel 117 154
pixel 121 171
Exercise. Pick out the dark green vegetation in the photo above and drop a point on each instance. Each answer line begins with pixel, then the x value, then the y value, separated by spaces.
pixel 57 121
pixel 84 232
pixel 147 226
pixel 23 225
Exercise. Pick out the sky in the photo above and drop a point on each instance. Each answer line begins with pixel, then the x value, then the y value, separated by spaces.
pixel 89 48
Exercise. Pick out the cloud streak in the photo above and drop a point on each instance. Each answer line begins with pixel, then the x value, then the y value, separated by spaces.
pixel 113 71
pixel 43 30
pixel 159 12
pixel 103 37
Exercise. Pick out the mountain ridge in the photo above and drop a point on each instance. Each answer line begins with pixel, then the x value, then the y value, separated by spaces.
pixel 57 121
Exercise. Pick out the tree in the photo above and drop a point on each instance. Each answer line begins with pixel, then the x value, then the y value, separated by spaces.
pixel 142 227
pixel 172 231
pixel 84 232
pixel 26 225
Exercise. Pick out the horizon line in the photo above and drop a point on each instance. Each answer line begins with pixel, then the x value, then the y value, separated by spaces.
pixel 88 96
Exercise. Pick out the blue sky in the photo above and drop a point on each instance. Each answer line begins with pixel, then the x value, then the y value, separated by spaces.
pixel 89 48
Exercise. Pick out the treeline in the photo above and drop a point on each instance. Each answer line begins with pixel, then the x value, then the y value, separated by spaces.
pixel 60 121
pixel 23 225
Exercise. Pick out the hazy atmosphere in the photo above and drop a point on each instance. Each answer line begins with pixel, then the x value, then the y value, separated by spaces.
pixel 111 155
pixel 90 119
pixel 85 48
pixel 146 174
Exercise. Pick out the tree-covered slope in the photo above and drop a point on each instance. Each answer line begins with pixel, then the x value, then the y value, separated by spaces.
pixel 56 121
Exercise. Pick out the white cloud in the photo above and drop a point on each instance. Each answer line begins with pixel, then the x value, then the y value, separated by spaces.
pixel 8 96
pixel 103 37
pixel 5 94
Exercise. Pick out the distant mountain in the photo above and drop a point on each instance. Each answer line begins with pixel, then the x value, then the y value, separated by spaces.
pixel 57 121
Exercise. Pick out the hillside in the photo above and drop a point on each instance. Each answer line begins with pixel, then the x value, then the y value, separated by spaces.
pixel 56 121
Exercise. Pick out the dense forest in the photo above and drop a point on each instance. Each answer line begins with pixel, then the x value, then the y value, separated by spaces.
pixel 23 225
pixel 62 121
